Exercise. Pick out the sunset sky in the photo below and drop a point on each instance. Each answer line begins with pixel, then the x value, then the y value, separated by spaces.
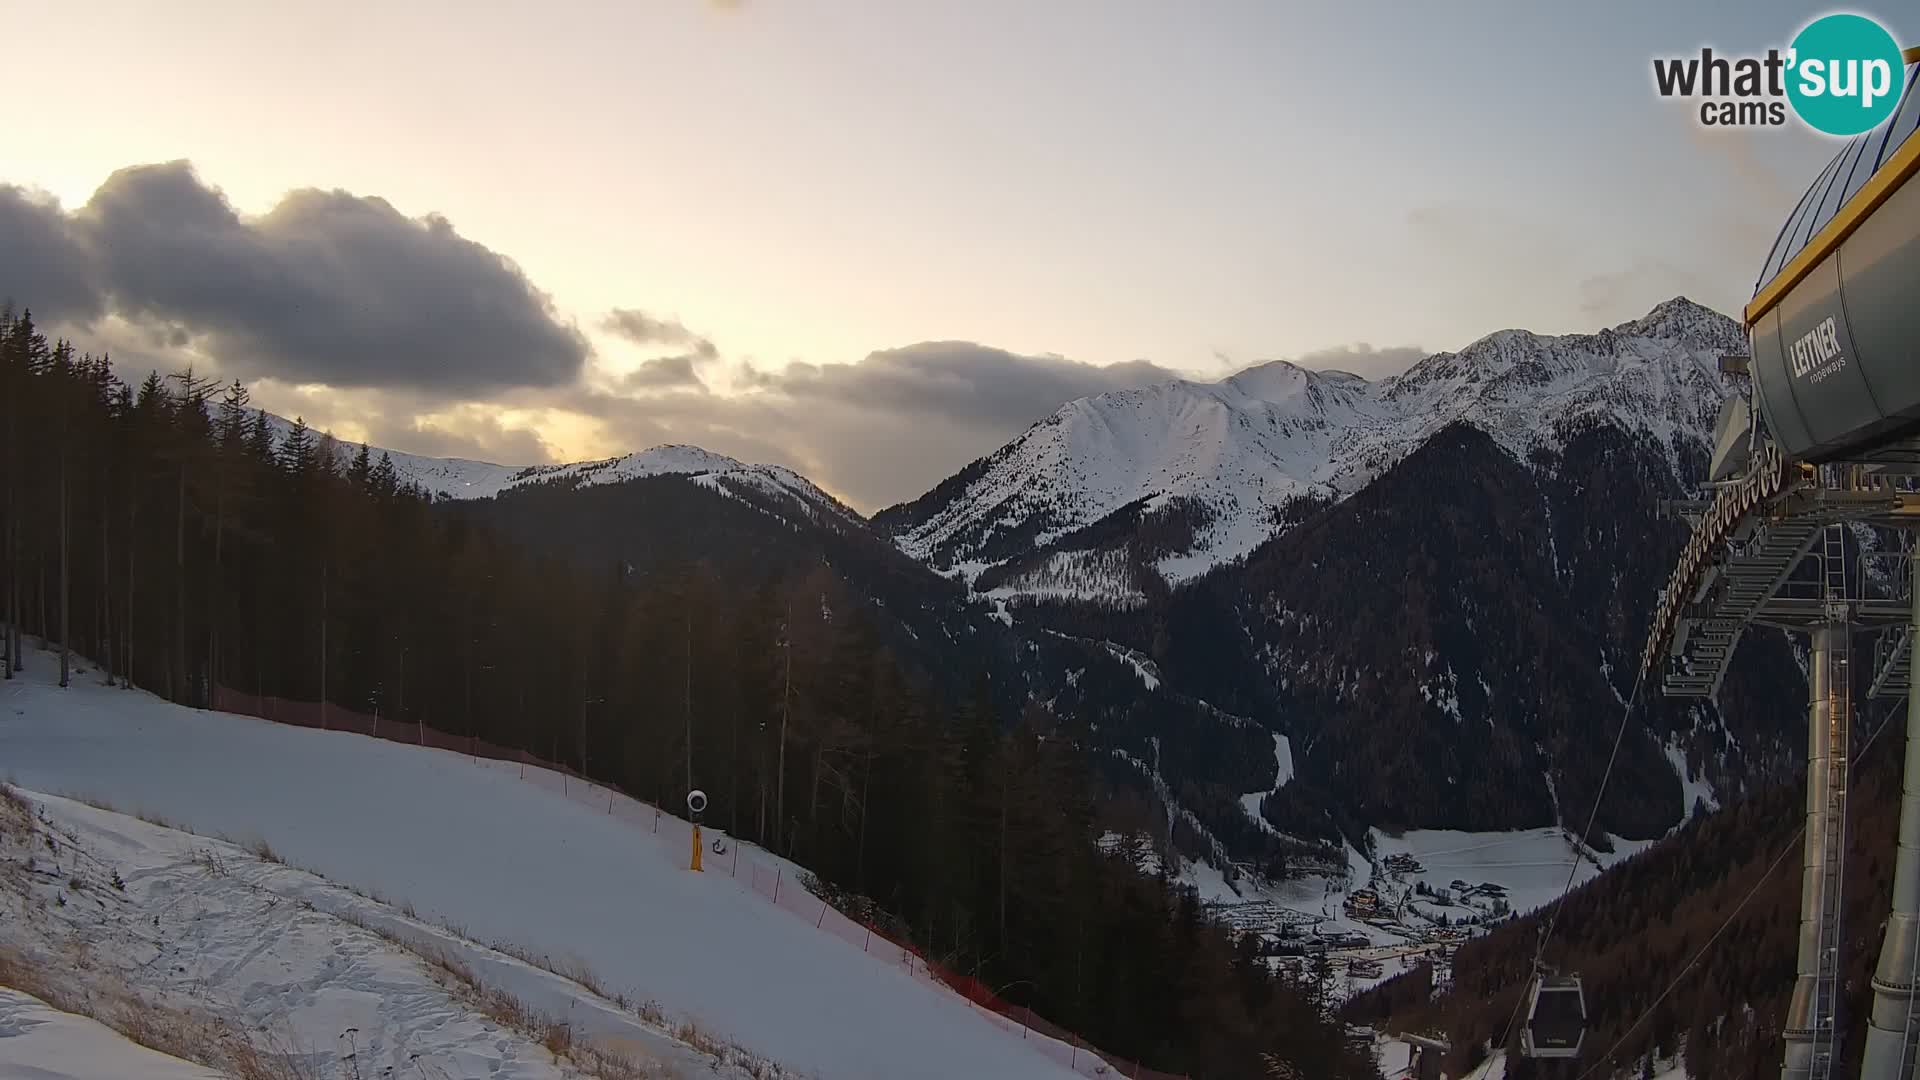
pixel 870 239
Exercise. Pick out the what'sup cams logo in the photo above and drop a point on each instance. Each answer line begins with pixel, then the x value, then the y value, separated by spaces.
pixel 1841 76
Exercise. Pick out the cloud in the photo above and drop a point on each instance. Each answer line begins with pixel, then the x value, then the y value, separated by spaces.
pixel 1616 296
pixel 664 373
pixel 886 428
pixel 43 265
pixel 399 332
pixel 642 329
pixel 414 422
pixel 471 435
pixel 1360 358
pixel 974 383
pixel 327 287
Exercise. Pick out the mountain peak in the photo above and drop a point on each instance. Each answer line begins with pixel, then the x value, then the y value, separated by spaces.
pixel 1201 473
pixel 1682 320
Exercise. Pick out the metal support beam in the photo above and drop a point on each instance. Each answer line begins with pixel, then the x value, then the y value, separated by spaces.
pixel 1894 1029
pixel 1810 1034
pixel 1801 1009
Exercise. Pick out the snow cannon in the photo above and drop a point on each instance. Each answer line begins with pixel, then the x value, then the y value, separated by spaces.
pixel 1833 325
pixel 696 805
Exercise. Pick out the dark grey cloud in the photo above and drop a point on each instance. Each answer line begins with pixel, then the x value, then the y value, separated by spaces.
pixel 878 431
pixel 973 383
pixel 341 309
pixel 643 329
pixel 1360 358
pixel 43 265
pixel 327 287
pixel 665 373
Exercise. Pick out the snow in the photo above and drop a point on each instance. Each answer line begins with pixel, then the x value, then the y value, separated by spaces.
pixel 514 861
pixel 1282 761
pixel 1283 772
pixel 1241 448
pixel 204 927
pixel 39 1042
pixel 1692 789
pixel 462 478
pixel 1531 865
pixel 1145 668
pixel 1210 883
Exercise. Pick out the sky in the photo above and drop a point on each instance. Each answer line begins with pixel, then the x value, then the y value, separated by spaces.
pixel 869 239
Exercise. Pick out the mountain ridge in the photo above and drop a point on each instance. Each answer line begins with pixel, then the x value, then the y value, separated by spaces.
pixel 1229 456
pixel 1209 533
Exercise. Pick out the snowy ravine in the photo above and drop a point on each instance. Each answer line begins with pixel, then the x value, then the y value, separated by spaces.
pixel 1229 455
pixel 514 862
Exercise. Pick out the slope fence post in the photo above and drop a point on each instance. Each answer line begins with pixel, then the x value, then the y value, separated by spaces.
pixel 776 882
pixel 822 920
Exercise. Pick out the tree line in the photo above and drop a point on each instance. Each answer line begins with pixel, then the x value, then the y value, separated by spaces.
pixel 182 540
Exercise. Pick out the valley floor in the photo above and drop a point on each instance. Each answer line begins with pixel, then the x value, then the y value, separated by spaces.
pixel 1524 869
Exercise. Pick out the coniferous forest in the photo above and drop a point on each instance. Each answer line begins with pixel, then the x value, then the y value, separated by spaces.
pixel 169 533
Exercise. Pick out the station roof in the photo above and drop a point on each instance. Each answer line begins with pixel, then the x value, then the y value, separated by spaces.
pixel 1868 168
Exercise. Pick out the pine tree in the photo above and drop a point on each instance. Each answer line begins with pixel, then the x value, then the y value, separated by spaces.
pixel 296 452
pixel 260 438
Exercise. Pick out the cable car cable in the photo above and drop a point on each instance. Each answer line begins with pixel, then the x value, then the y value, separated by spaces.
pixel 1546 933
pixel 1787 849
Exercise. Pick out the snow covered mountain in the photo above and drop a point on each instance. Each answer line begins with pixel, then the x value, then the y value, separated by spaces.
pixel 1190 475
pixel 463 478
pixel 1376 571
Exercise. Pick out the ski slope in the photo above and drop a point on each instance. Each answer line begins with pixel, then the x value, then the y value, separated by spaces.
pixel 509 861
pixel 133 918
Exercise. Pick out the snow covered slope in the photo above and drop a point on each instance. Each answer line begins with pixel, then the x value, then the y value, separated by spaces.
pixel 39 1042
pixel 128 919
pixel 461 478
pixel 1207 467
pixel 515 862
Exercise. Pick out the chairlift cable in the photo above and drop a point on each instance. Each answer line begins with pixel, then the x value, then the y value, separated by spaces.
pixel 1785 850
pixel 1546 933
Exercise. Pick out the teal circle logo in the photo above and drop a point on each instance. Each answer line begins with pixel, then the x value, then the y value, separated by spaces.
pixel 1844 74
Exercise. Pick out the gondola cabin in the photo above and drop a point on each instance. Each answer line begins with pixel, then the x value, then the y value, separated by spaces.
pixel 1556 1018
